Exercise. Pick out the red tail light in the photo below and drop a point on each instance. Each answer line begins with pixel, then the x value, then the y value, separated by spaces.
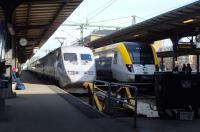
pixel 129 67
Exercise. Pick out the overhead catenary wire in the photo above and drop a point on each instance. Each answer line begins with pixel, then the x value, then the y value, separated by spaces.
pixel 99 8
pixel 113 19
pixel 99 12
pixel 119 18
pixel 70 34
pixel 94 11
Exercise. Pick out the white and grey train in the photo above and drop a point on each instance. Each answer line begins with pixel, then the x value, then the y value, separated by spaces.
pixel 70 65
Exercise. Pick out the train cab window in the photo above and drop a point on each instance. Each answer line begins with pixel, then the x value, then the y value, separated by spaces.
pixel 140 53
pixel 86 57
pixel 115 57
pixel 71 58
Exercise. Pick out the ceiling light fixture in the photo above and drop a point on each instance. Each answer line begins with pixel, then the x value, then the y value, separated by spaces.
pixel 188 21
pixel 137 35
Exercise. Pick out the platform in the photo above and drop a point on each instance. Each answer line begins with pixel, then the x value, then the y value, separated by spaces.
pixel 40 108
pixel 46 108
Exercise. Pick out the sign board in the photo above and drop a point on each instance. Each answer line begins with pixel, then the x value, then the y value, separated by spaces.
pixel 185 47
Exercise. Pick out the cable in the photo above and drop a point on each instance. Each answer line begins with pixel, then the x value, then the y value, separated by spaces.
pixel 116 19
pixel 111 19
pixel 99 8
pixel 70 34
pixel 124 23
pixel 102 10
pixel 90 13
pixel 72 22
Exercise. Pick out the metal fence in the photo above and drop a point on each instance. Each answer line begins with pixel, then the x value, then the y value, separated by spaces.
pixel 107 95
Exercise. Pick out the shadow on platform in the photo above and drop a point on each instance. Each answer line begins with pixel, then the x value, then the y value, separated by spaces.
pixel 29 77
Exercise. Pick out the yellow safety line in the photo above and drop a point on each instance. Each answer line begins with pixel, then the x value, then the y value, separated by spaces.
pixel 124 53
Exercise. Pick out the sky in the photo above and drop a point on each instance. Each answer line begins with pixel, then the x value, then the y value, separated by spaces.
pixel 117 13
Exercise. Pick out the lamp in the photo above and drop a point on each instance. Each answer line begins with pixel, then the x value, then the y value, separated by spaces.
pixel 188 21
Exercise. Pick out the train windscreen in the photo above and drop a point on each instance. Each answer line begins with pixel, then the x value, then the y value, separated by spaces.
pixel 140 53
pixel 86 57
pixel 70 57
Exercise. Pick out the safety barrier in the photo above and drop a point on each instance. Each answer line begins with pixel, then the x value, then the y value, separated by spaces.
pixel 107 97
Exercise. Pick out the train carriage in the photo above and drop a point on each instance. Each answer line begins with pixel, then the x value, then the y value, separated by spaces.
pixel 70 65
pixel 126 62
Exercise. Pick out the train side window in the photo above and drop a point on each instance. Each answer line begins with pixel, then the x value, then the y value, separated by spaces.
pixel 115 57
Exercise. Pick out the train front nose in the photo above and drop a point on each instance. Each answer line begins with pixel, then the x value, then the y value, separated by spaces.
pixel 82 76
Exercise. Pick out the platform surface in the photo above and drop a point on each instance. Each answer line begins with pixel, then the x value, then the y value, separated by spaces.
pixel 41 109
pixel 44 108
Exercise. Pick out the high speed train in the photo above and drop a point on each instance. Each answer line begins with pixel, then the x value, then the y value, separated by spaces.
pixel 68 65
pixel 126 62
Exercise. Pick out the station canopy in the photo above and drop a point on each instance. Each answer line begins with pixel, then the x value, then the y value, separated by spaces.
pixel 181 22
pixel 35 20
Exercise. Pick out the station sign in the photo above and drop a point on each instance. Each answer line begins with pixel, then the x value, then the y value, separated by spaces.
pixel 185 47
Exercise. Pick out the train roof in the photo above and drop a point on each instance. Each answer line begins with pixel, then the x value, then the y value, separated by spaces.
pixel 111 46
pixel 75 48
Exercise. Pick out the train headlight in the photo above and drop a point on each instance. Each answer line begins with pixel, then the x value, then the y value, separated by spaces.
pixel 130 67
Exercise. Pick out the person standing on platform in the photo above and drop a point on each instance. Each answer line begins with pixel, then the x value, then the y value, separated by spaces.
pixel 14 75
pixel 184 68
pixel 188 68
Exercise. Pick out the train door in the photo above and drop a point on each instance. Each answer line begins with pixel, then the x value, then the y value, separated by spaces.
pixel 118 68
pixel 114 65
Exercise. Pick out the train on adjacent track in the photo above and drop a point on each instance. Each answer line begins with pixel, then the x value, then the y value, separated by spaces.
pixel 126 62
pixel 69 65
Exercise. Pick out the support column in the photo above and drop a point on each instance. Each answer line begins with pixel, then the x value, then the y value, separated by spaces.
pixel 162 64
pixel 198 63
pixel 174 40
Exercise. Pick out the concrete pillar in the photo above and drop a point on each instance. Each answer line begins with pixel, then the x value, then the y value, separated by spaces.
pixel 198 59
pixel 174 40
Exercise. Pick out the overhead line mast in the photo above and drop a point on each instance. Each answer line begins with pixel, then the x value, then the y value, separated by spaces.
pixel 82 26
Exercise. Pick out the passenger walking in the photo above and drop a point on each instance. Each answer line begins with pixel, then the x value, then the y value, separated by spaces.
pixel 184 68
pixel 14 73
pixel 175 69
pixel 15 78
pixel 188 68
